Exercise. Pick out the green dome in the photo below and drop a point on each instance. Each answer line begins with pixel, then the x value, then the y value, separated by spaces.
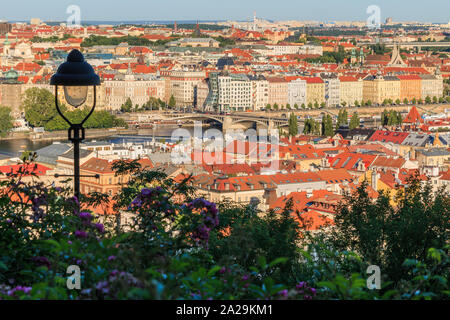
pixel 11 74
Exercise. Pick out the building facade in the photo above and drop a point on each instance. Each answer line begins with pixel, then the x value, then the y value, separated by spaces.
pixel 351 90
pixel 138 89
pixel 297 92
pixel 332 92
pixel 182 84
pixel 235 93
pixel 278 91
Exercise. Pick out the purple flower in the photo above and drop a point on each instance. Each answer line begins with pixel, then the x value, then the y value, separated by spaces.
pixel 146 192
pixel 80 234
pixel 223 270
pixel 114 272
pixel 300 285
pixel 100 228
pixel 75 199
pixel 283 293
pixel 25 290
pixel 85 215
pixel 42 261
pixel 111 258
pixel 245 277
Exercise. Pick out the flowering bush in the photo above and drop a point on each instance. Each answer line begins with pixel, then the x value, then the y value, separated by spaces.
pixel 177 246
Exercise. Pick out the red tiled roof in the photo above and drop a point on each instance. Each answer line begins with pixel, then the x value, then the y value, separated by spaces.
pixel 413 116
pixel 312 220
pixel 335 176
pixel 389 136
pixel 36 169
pixel 349 160
pixel 104 166
pixel 388 162
pixel 409 77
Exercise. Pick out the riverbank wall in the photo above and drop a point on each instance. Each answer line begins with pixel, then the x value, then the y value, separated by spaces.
pixel 62 135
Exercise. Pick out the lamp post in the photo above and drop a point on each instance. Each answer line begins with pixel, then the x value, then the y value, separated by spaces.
pixel 75 75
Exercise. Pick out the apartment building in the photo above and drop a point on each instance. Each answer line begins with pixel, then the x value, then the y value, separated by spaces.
pixel 235 92
pixel 278 91
pixel 201 92
pixel 310 49
pixel 351 90
pixel 297 92
pixel 432 86
pixel 182 84
pixel 332 92
pixel 410 87
pixel 315 90
pixel 260 92
pixel 108 182
pixel 139 88
pixel 379 88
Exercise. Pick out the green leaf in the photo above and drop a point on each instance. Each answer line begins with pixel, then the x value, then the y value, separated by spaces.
pixel 277 261
pixel 262 262
pixel 213 271
pixel 55 244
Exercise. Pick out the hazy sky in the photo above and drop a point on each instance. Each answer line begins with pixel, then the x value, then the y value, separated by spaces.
pixel 323 10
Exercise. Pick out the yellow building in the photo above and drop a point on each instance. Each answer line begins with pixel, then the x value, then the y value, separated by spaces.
pixel 433 157
pixel 315 90
pixel 432 86
pixel 378 88
pixel 410 87
pixel 351 90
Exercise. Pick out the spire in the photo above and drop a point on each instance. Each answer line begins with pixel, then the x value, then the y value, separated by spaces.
pixel 436 141
pixel 396 59
pixel 197 32
pixel 438 71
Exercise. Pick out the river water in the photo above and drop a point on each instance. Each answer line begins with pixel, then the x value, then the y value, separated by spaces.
pixel 17 146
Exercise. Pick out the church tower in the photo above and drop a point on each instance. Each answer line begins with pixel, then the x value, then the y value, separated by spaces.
pixel 362 58
pixel 353 58
pixel 7 47
pixel 396 59
pixel 197 32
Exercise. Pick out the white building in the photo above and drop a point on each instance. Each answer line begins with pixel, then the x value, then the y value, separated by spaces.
pixel 235 92
pixel 310 49
pixel 260 92
pixel 297 92
pixel 182 84
pixel 332 92
pixel 138 88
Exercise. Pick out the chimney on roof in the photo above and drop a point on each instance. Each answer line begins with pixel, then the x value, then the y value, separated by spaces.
pixel 396 174
pixel 374 180
pixel 270 195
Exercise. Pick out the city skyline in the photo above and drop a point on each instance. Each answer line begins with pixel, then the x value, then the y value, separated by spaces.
pixel 434 11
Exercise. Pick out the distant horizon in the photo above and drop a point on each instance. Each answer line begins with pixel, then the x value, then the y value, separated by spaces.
pixel 430 11
pixel 190 21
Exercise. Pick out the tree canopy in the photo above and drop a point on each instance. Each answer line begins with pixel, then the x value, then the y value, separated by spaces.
pixel 293 125
pixel 6 120
pixel 354 121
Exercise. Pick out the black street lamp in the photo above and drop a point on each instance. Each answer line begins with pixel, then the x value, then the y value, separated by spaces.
pixel 75 75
